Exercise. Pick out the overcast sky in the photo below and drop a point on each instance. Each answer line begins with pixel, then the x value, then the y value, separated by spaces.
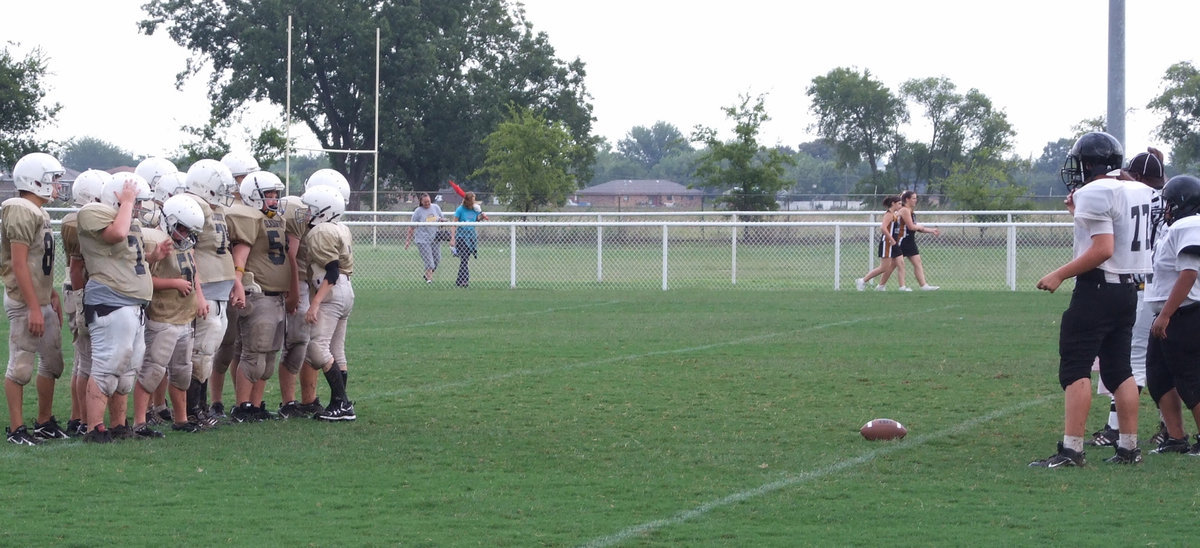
pixel 1042 62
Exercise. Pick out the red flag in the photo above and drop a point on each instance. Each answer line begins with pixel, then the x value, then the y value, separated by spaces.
pixel 458 190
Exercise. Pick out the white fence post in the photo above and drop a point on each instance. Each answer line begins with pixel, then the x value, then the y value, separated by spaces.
pixel 512 261
pixel 664 257
pixel 1012 255
pixel 733 266
pixel 837 257
pixel 599 249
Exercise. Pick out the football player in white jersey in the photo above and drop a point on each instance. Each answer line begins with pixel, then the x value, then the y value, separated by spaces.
pixel 1146 168
pixel 1111 252
pixel 1173 356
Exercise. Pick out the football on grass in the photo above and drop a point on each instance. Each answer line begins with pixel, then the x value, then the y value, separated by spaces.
pixel 883 429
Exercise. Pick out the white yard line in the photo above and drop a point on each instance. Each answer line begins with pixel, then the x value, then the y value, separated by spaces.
pixel 803 477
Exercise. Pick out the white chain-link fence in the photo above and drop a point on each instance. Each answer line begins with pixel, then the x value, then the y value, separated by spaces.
pixel 817 250
pixel 993 250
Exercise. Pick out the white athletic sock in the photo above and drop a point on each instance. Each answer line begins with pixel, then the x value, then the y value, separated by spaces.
pixel 1074 443
pixel 1127 441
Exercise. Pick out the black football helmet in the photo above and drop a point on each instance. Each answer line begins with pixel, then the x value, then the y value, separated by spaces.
pixel 1094 154
pixel 1181 196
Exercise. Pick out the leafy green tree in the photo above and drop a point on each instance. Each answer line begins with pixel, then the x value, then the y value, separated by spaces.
pixel 91 153
pixel 22 113
pixel 650 146
pixel 751 173
pixel 965 129
pixel 528 163
pixel 448 71
pixel 984 187
pixel 611 165
pixel 858 115
pixel 1179 104
pixel 677 167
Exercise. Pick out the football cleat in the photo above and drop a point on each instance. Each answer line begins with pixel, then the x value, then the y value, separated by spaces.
pixel 312 407
pixel 337 411
pixel 262 413
pixel 244 412
pixel 1125 456
pixel 1195 450
pixel 98 436
pixel 1159 437
pixel 1173 445
pixel 1104 437
pixel 291 409
pixel 145 432
pixel 190 427
pixel 217 410
pixel 76 428
pixel 20 436
pixel 49 430
pixel 121 432
pixel 1062 459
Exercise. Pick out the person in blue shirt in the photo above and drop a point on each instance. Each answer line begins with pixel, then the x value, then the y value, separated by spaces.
pixel 463 239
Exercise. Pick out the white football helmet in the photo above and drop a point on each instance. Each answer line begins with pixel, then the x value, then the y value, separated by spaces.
pixel 183 220
pixel 240 164
pixel 108 194
pixel 170 185
pixel 211 180
pixel 38 173
pixel 153 169
pixel 331 178
pixel 325 204
pixel 87 186
pixel 254 191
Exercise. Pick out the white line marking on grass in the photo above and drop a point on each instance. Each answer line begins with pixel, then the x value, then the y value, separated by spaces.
pixel 615 359
pixel 483 318
pixel 631 532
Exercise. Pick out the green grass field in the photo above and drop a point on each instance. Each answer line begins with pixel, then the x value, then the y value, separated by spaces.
pixel 588 418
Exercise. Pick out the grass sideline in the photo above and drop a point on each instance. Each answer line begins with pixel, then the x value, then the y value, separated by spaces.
pixel 688 417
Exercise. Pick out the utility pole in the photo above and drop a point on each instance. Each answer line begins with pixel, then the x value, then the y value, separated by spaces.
pixel 1116 71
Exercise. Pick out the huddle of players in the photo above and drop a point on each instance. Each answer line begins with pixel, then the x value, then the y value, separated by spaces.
pixel 170 281
pixel 1128 235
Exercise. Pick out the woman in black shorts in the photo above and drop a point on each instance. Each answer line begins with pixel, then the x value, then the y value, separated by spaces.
pixel 908 244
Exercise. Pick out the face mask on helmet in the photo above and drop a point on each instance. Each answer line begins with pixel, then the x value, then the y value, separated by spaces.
pixel 1181 196
pixel 39 173
pixel 147 213
pixel 261 190
pixel 183 237
pixel 1092 156
pixel 183 221
pixel 325 204
pixel 211 180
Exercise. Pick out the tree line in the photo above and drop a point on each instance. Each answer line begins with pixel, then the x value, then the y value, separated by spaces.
pixel 471 92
